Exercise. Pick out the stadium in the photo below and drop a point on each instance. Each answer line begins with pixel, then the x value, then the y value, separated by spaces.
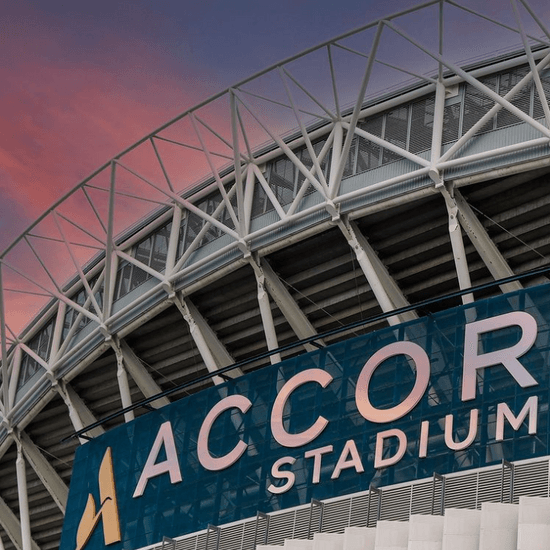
pixel 315 303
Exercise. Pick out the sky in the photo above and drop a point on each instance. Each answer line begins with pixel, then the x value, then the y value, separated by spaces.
pixel 81 80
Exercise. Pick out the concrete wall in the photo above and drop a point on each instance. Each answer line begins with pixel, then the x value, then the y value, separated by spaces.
pixel 523 526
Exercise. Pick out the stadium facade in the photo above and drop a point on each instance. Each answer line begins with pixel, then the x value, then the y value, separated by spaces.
pixel 345 325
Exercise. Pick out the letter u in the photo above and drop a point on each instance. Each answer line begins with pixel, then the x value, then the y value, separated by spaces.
pixel 472 432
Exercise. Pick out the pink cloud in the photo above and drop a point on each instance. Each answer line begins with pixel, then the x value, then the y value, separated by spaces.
pixel 59 120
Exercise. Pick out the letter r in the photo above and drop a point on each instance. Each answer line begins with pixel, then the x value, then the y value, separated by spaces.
pixel 508 357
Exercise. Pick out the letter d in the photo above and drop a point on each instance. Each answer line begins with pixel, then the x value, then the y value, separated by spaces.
pixel 380 462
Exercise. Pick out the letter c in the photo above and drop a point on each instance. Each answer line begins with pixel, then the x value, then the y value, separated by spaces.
pixel 323 378
pixel 205 458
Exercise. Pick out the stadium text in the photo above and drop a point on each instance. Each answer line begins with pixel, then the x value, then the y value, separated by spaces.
pixel 393 440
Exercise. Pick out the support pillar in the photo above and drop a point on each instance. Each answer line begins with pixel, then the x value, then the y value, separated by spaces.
pixel 21 472
pixel 123 385
pixel 213 353
pixel 485 247
pixel 45 471
pixel 140 375
pixel 337 144
pixel 265 312
pixel 222 357
pixel 457 244
pixel 384 287
pixel 79 413
pixel 12 527
pixel 296 318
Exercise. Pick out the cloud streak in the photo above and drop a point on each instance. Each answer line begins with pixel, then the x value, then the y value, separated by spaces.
pixel 63 113
pixel 81 82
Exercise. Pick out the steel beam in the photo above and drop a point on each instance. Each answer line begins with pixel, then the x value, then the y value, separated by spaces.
pixel 265 313
pixel 24 515
pixel 173 241
pixel 485 247
pixel 457 244
pixel 491 112
pixel 437 129
pixel 12 527
pixel 79 413
pixel 58 330
pixel 141 375
pixel 212 351
pixel 296 318
pixel 123 385
pixel 337 144
pixel 336 177
pixel 383 285
pixel 45 471
pixel 199 339
pixel 237 162
pixel 3 347
pixel 221 355
pixel 14 379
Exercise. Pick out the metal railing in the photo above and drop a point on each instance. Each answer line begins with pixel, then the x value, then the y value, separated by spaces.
pixel 365 509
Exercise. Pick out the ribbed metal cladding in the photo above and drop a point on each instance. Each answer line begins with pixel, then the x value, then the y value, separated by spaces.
pixel 460 490
pixel 396 503
pixel 489 486
pixel 306 521
pixel 422 115
pixel 334 513
pixel 281 526
pixel 253 536
pixel 531 480
pixel 358 511
pixel 232 537
pixel 423 497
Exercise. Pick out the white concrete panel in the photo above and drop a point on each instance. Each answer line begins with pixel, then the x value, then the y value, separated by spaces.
pixel 461 529
pixel 392 535
pixel 534 536
pixel 268 547
pixel 424 545
pixel 499 526
pixel 534 510
pixel 425 532
pixel 359 538
pixel 328 541
pixel 534 523
pixel 298 544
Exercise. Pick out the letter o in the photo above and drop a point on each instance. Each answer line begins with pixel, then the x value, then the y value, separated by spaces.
pixel 205 458
pixel 277 428
pixel 422 361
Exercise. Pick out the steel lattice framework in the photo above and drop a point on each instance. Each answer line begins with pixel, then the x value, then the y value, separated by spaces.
pixel 351 207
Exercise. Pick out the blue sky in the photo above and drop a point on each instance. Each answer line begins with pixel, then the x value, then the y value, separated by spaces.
pixel 83 80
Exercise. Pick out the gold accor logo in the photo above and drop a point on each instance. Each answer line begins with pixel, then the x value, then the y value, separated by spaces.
pixel 108 510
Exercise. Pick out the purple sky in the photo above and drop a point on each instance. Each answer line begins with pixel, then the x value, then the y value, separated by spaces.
pixel 82 80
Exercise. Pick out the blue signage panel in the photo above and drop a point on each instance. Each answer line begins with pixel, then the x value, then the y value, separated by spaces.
pixel 451 391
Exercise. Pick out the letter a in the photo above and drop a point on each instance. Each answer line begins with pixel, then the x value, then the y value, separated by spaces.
pixel 170 466
pixel 108 510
